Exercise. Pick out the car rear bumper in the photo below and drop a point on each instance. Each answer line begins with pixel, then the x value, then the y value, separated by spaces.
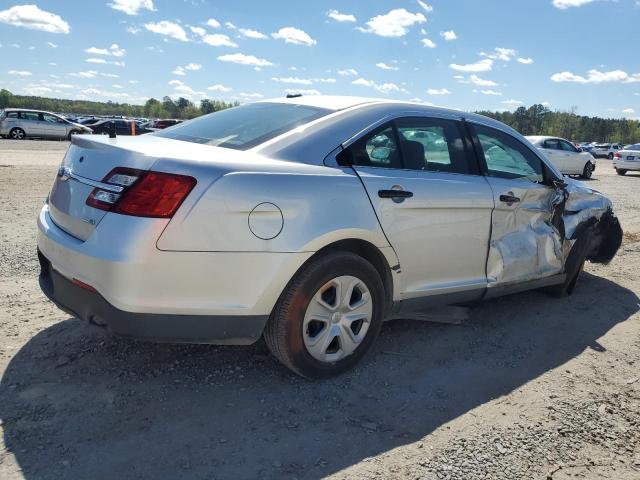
pixel 626 165
pixel 89 305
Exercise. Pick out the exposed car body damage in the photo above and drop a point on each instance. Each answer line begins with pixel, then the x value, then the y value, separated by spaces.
pixel 576 222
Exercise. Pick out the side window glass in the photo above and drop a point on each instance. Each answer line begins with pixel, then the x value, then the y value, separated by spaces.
pixel 377 149
pixel 50 118
pixel 551 144
pixel 431 144
pixel 12 115
pixel 506 157
pixel 30 116
pixel 567 147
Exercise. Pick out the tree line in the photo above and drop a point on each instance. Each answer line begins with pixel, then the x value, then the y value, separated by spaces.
pixel 535 120
pixel 539 120
pixel 153 108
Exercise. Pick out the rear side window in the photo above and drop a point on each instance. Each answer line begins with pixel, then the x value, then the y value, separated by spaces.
pixel 376 149
pixel 551 144
pixel 30 116
pixel 432 144
pixel 506 157
pixel 244 127
pixel 12 115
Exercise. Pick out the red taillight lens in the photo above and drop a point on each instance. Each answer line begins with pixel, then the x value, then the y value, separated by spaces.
pixel 144 194
pixel 617 155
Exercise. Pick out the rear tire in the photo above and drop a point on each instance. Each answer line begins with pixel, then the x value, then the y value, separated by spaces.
pixel 587 172
pixel 621 171
pixel 328 316
pixel 17 134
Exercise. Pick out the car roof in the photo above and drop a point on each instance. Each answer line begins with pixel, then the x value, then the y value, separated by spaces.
pixel 29 110
pixel 330 102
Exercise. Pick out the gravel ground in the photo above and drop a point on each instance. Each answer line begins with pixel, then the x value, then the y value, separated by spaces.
pixel 529 387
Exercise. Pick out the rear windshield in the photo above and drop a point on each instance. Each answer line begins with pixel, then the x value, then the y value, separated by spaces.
pixel 634 147
pixel 244 127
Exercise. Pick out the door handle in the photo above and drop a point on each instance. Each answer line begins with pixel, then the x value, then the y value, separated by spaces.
pixel 509 198
pixel 394 194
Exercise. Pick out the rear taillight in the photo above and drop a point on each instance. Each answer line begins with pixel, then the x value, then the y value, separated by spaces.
pixel 617 155
pixel 143 194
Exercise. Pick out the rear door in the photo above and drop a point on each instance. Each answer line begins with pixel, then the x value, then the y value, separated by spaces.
pixel 433 205
pixel 526 233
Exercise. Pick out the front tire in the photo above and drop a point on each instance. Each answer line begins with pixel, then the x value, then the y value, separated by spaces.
pixel 17 134
pixel 610 156
pixel 587 172
pixel 621 171
pixel 328 316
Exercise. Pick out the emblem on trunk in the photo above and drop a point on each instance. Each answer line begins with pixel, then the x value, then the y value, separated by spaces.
pixel 64 173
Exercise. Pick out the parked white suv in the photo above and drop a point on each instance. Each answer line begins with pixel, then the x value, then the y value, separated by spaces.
pixel 565 156
pixel 309 221
pixel 607 150
pixel 20 123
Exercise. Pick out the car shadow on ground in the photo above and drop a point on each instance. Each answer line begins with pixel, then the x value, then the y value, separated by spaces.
pixel 76 403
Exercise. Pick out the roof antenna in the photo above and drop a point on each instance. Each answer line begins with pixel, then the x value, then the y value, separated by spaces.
pixel 293 95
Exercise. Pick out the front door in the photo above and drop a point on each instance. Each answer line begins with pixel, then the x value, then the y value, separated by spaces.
pixel 527 234
pixel 54 126
pixel 434 207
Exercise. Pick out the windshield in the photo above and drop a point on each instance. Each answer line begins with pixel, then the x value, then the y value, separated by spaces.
pixel 244 127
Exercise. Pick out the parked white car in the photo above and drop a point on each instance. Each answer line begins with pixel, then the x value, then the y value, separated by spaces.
pixel 565 156
pixel 20 123
pixel 309 221
pixel 606 150
pixel 627 159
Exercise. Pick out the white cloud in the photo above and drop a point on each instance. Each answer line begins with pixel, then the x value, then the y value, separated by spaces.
pixel 596 76
pixel 243 59
pixel 382 88
pixel 325 80
pixel 20 73
pixel 133 30
pixel 87 74
pixel 384 66
pixel 340 17
pixel 476 80
pixel 109 75
pixel 629 111
pixel 218 40
pixel 294 35
pixel 525 61
pixel 31 17
pixel 348 72
pixel 113 50
pixel 179 71
pixel 512 103
pixel 490 92
pixel 504 54
pixel 449 35
pixel 213 23
pixel 564 4
pixel 230 26
pixel 438 91
pixel 219 88
pixel 296 80
pixel 169 29
pixel 480 66
pixel 52 45
pixel 193 66
pixel 96 60
pixel 132 7
pixel 428 43
pixel 396 23
pixel 425 6
pixel 249 33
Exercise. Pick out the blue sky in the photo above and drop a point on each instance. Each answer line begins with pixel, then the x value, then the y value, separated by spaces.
pixel 467 54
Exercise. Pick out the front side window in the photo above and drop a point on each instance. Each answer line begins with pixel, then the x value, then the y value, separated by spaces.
pixel 431 144
pixel 12 114
pixel 52 119
pixel 506 157
pixel 244 127
pixel 376 149
pixel 567 147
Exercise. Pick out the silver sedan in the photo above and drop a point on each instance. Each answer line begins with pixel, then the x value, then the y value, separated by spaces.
pixel 310 221
pixel 20 123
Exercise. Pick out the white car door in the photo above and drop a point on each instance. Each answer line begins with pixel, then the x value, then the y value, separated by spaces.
pixel 573 160
pixel 552 150
pixel 433 205
pixel 54 126
pixel 526 233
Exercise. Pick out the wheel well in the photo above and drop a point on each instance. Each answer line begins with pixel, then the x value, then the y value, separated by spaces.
pixel 370 253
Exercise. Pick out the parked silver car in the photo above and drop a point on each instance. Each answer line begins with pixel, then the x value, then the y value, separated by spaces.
pixel 310 221
pixel 19 123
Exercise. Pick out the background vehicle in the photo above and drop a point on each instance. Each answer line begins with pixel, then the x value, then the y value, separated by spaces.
pixel 18 124
pixel 168 122
pixel 123 127
pixel 239 223
pixel 605 150
pixel 565 156
pixel 627 159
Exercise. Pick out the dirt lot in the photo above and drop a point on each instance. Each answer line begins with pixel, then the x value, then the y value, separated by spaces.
pixel 529 387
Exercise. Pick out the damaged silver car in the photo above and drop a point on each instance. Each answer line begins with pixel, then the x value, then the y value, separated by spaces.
pixel 310 221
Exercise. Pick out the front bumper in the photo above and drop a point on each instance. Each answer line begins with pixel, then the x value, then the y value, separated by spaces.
pixel 91 306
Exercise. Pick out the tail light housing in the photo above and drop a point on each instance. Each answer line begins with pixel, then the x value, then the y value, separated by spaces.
pixel 617 155
pixel 143 193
